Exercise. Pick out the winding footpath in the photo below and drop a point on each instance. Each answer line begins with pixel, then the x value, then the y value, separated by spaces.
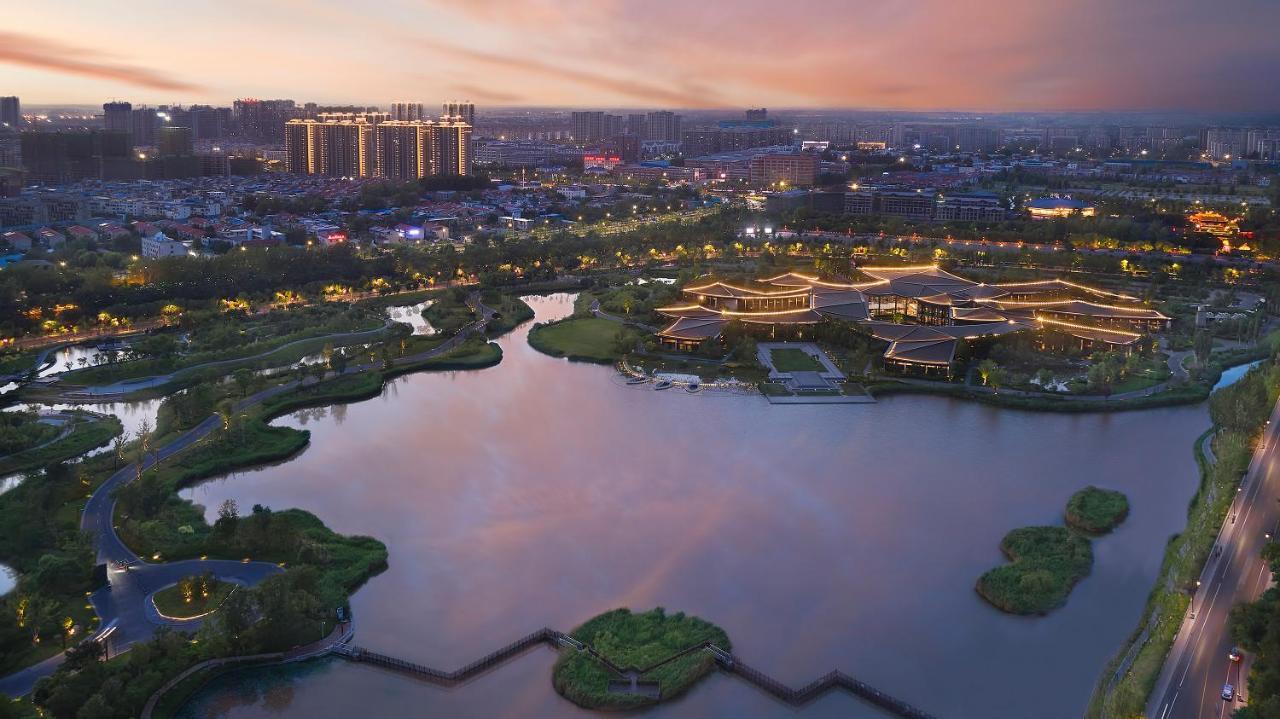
pixel 122 603
pixel 116 390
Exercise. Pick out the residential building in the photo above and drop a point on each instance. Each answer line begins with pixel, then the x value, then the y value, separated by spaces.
pixel 661 125
pixel 407 111
pixel 593 126
pixel 160 245
pixel 10 112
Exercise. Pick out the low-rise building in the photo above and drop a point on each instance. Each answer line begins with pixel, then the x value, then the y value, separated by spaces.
pixel 160 245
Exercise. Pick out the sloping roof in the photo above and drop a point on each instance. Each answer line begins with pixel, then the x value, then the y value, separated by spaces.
pixel 844 304
pixel 1084 309
pixel 893 332
pixel 1093 334
pixel 686 311
pixel 985 329
pixel 694 328
pixel 802 316
pixel 977 314
pixel 934 352
pixel 721 289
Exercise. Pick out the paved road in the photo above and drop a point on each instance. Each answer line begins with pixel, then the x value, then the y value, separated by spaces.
pixel 123 604
pixel 128 386
pixel 1190 684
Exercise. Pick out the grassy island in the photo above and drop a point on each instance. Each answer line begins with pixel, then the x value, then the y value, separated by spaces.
pixel 1096 511
pixel 636 642
pixel 192 597
pixel 1046 562
pixel 586 339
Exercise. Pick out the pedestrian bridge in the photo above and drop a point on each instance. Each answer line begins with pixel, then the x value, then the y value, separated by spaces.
pixel 628 678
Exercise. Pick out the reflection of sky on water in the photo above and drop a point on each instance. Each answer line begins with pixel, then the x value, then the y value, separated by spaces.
pixel 540 492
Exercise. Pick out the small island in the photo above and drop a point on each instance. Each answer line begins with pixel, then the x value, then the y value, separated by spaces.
pixel 1046 562
pixel 584 339
pixel 192 597
pixel 1096 511
pixel 636 644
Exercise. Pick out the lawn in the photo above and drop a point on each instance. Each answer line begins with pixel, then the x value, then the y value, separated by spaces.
pixel 638 641
pixel 791 359
pixel 192 597
pixel 588 339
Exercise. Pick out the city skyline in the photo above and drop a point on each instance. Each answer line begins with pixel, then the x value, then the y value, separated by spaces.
pixel 917 55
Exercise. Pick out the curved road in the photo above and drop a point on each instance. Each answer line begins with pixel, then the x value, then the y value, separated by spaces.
pixel 121 605
pixel 1197 667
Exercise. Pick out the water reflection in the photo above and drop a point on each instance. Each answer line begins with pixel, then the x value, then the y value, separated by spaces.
pixel 540 492
pixel 8 579
pixel 412 316
pixel 1231 375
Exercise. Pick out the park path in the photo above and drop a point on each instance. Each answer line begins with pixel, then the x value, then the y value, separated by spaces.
pixel 595 310
pixel 121 603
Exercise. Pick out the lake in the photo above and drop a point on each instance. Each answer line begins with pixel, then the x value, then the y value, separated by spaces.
pixel 541 492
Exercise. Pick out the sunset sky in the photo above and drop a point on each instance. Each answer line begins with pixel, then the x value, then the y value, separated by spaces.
pixel 899 54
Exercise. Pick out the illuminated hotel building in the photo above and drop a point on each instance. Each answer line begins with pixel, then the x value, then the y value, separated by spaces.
pixel 402 150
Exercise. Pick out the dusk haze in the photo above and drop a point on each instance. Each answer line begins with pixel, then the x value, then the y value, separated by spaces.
pixel 556 358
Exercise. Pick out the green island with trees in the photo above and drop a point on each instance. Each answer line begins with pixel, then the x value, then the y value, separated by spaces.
pixel 583 339
pixel 634 641
pixel 1096 511
pixel 1045 563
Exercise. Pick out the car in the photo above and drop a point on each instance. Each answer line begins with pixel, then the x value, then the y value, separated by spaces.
pixel 1236 654
pixel 1228 692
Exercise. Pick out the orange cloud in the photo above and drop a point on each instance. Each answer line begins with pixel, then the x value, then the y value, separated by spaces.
pixel 29 51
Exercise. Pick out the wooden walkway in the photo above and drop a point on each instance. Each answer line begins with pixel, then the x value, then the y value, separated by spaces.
pixel 725 660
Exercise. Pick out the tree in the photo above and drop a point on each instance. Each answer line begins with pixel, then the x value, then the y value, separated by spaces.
pixel 243 377
pixel 987 368
pixel 1202 345
pixel 228 519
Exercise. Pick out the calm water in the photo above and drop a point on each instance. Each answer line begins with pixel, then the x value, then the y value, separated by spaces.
pixel 541 492
pixel 1231 375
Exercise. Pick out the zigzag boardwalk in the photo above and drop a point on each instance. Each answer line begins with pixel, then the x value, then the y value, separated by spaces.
pixel 728 662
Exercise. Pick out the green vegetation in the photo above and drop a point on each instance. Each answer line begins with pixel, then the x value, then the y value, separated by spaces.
pixel 791 359
pixel 1096 511
pixel 88 431
pixel 511 311
pixel 22 429
pixel 1239 412
pixel 284 611
pixel 13 362
pixel 40 539
pixel 1255 626
pixel 636 641
pixel 233 340
pixel 192 597
pixel 1046 563
pixel 449 311
pixel 1187 394
pixel 586 339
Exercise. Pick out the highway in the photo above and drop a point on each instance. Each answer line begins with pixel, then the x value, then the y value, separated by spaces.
pixel 1191 682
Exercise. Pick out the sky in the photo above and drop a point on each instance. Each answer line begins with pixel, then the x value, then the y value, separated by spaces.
pixel 971 55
